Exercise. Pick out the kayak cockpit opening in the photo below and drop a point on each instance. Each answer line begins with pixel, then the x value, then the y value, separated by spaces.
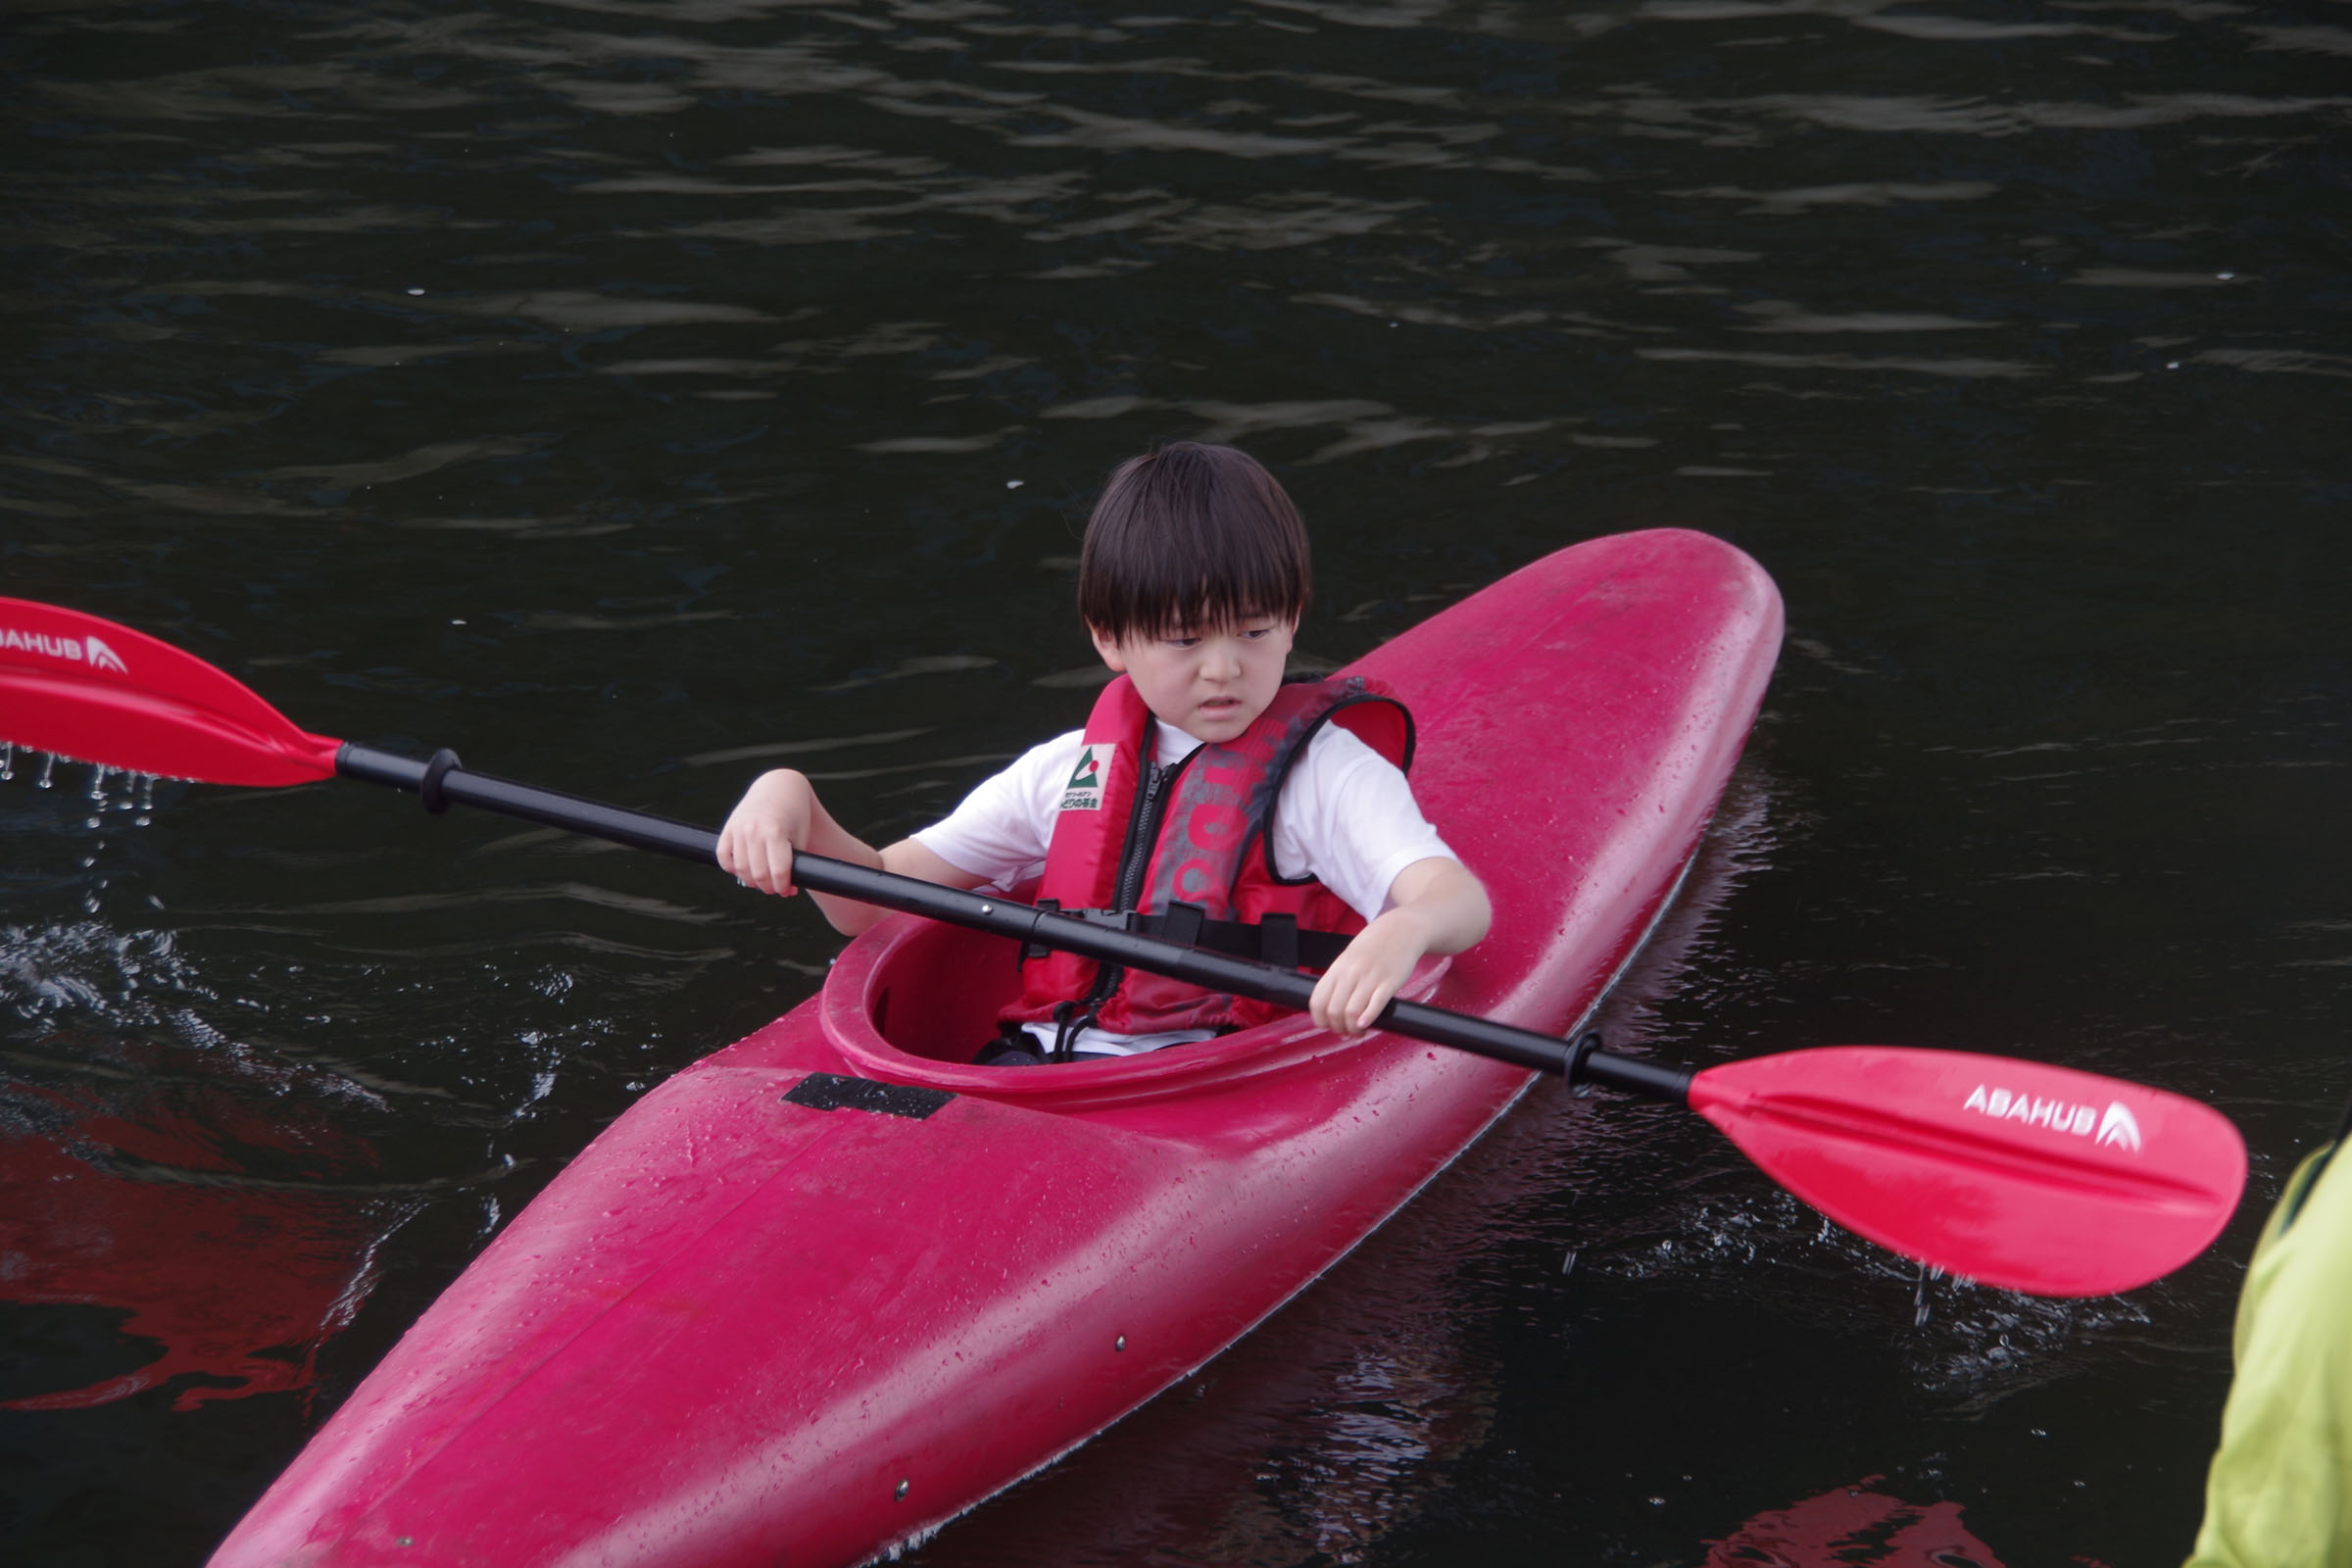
pixel 936 993
pixel 914 1001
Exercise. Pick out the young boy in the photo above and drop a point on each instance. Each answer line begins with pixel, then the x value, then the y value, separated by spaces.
pixel 1214 802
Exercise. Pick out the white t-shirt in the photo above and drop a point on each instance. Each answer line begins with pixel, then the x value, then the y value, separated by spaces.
pixel 1345 816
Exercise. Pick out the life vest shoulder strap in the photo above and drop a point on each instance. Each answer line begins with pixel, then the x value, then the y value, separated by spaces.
pixel 1093 812
pixel 1367 709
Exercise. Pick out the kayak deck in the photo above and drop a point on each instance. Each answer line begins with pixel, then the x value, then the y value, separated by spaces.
pixel 836 1283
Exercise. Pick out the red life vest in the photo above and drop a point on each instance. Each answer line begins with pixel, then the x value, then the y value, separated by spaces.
pixel 1186 852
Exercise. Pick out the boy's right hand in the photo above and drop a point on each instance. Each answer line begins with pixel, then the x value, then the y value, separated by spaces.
pixel 774 818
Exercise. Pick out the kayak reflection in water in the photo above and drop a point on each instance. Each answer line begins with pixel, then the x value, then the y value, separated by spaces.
pixel 2280 1491
pixel 1208 800
pixel 136 1225
pixel 1850 1527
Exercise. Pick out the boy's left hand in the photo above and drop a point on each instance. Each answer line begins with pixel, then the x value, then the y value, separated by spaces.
pixel 1436 906
pixel 1367 975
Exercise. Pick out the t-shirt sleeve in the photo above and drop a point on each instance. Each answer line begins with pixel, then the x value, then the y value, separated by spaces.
pixel 1348 818
pixel 1000 830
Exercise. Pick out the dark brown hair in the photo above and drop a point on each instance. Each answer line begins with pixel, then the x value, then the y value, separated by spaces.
pixel 1192 535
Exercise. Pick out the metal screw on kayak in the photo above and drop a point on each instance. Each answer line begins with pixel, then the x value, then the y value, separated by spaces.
pixel 1120 1344
pixel 901 1494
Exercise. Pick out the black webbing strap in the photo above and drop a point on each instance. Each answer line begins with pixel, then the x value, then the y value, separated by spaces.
pixel 1278 940
pixel 1183 923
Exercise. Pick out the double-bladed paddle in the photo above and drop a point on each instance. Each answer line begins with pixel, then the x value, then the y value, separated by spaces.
pixel 2035 1178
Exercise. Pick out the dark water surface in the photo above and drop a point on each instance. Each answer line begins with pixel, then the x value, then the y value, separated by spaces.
pixel 635 395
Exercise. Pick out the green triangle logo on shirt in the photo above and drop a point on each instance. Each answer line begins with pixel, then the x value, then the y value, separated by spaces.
pixel 1084 791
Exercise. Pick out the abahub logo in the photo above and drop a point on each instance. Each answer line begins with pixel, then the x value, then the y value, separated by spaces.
pixel 2114 1126
pixel 90 651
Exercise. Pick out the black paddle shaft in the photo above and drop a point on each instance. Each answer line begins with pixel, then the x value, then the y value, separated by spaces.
pixel 441 781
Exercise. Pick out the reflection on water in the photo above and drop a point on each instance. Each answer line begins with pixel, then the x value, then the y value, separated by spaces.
pixel 629 394
pixel 222 1212
pixel 1850 1527
pixel 236 1287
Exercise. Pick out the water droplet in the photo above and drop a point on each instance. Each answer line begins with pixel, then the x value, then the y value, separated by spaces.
pixel 48 766
pixel 415 291
pixel 1569 1262
pixel 8 760
pixel 2226 277
pixel 1014 484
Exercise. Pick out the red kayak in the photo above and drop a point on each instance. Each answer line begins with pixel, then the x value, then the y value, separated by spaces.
pixel 831 1287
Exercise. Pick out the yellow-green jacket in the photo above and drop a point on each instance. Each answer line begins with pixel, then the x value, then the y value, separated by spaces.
pixel 2280 1494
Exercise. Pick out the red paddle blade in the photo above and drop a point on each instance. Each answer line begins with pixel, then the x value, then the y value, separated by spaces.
pixel 2037 1179
pixel 97 692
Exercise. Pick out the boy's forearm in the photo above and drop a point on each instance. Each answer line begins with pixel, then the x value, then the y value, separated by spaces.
pixel 778 817
pixel 1444 901
pixel 834 842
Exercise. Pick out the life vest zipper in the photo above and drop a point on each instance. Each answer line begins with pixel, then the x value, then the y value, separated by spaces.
pixel 1142 834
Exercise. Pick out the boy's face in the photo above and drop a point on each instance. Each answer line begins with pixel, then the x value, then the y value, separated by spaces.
pixel 1209 681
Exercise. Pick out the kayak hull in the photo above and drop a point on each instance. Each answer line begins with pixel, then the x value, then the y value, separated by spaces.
pixel 818 1294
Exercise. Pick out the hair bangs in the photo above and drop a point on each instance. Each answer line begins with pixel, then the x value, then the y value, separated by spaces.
pixel 1192 536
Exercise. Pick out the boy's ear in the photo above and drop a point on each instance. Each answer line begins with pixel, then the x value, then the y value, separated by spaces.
pixel 1109 647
